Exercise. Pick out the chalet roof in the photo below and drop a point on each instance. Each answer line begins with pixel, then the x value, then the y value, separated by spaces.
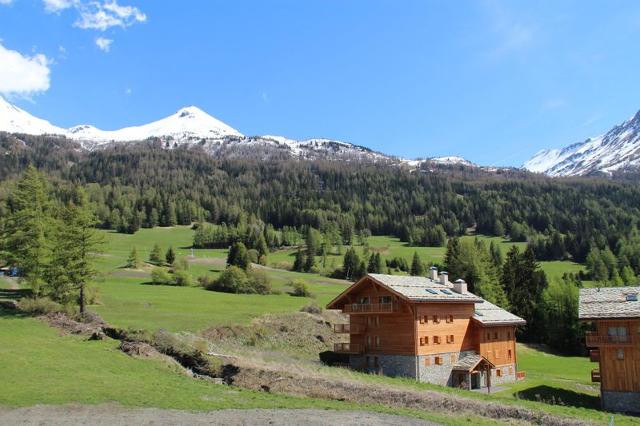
pixel 469 362
pixel 422 289
pixel 489 314
pixel 609 302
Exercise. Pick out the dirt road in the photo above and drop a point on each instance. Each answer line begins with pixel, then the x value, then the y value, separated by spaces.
pixel 114 415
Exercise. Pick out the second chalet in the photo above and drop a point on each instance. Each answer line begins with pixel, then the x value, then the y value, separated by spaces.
pixel 428 329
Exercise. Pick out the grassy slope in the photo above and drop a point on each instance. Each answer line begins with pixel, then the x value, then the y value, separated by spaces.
pixel 41 367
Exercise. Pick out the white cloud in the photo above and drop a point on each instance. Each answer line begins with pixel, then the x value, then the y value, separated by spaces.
pixel 6 2
pixel 23 75
pixel 104 44
pixel 102 16
pixel 55 6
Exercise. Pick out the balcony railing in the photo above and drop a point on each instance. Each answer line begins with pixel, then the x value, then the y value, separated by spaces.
pixel 594 355
pixel 370 308
pixel 348 348
pixel 593 340
pixel 348 328
pixel 595 376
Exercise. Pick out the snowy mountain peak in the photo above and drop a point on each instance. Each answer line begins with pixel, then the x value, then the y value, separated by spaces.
pixel 16 120
pixel 617 149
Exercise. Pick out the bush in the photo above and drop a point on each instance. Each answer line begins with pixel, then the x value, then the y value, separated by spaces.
pixel 39 306
pixel 235 280
pixel 253 255
pixel 311 308
pixel 182 278
pixel 161 276
pixel 299 289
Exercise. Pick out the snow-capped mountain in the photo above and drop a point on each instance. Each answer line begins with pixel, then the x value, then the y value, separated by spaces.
pixel 16 120
pixel 618 149
pixel 192 126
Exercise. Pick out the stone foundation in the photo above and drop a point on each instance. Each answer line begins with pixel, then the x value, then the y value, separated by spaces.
pixel 625 402
pixel 389 365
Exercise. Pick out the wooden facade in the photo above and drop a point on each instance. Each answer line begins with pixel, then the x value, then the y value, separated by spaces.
pixel 384 322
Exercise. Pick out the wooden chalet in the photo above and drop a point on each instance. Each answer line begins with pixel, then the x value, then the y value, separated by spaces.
pixel 615 344
pixel 429 329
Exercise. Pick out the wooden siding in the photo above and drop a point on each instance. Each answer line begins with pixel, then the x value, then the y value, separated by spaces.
pixel 384 333
pixel 496 342
pixel 460 328
pixel 620 363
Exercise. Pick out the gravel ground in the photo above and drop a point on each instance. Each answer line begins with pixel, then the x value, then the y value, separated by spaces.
pixel 114 415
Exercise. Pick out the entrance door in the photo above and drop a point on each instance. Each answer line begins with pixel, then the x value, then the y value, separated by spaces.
pixel 475 380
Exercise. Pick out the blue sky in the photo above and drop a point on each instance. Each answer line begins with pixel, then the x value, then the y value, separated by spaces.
pixel 493 81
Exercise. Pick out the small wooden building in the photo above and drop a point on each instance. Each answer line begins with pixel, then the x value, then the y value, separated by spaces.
pixel 428 329
pixel 615 344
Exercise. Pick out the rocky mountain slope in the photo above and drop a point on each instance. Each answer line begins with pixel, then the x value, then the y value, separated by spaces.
pixel 616 150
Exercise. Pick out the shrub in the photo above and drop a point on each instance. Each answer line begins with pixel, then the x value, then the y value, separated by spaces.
pixel 311 308
pixel 299 288
pixel 160 276
pixel 182 278
pixel 235 280
pixel 253 255
pixel 39 306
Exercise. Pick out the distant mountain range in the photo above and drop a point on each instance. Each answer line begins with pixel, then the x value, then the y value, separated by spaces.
pixel 615 151
pixel 192 126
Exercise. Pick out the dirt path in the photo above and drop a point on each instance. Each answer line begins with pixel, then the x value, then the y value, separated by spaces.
pixel 114 415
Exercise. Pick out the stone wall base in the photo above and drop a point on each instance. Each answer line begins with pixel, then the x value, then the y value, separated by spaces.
pixel 626 402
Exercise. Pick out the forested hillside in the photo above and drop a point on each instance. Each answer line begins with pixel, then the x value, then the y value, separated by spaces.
pixel 144 185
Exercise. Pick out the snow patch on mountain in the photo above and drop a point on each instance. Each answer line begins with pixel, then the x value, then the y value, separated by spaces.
pixel 16 120
pixel 617 149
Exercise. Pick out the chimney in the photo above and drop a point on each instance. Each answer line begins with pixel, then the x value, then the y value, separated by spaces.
pixel 460 287
pixel 433 273
pixel 444 278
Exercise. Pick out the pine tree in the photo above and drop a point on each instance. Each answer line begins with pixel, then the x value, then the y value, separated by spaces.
pixel 417 268
pixel 351 264
pixel 134 260
pixel 238 256
pixel 170 256
pixel 155 256
pixel 28 227
pixel 376 265
pixel 76 242
pixel 298 264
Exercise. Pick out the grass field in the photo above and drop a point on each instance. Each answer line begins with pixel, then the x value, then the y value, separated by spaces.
pixel 36 359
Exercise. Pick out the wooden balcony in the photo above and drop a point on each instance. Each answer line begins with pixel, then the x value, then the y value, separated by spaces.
pixel 594 340
pixel 595 375
pixel 349 328
pixel 348 348
pixel 370 308
pixel 594 355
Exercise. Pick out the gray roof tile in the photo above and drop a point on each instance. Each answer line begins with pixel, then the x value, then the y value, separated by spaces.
pixel 608 302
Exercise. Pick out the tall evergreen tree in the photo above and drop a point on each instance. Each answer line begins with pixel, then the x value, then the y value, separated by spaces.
pixel 238 256
pixel 170 256
pixel 133 261
pixel 417 267
pixel 76 241
pixel 298 264
pixel 155 256
pixel 28 227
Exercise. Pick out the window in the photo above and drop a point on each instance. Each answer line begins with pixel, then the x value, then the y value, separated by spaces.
pixel 620 354
pixel 438 360
pixel 424 341
pixel 426 319
pixel 445 291
pixel 436 320
pixel 375 362
pixel 450 318
pixel 618 334
pixel 495 335
pixel 422 320
pixel 499 372
pixel 450 338
pixel 368 340
pixel 509 354
pixel 364 300
pixel 488 336
pixel 377 341
pixel 436 340
pixel 427 361
pixel 384 299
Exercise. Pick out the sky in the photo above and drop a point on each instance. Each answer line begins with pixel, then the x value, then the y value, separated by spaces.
pixel 492 81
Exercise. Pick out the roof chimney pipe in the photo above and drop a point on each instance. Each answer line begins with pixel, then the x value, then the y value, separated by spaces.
pixel 444 278
pixel 460 286
pixel 433 273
